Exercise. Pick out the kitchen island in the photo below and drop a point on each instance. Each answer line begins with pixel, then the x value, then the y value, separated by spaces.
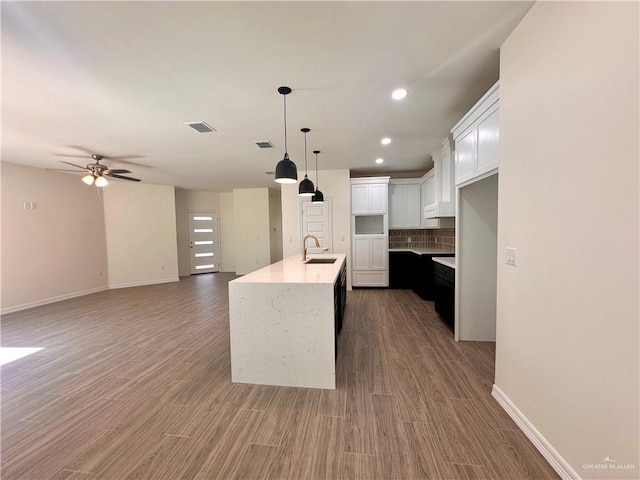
pixel 284 320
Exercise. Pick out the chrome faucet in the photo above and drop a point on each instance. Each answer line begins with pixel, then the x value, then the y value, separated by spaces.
pixel 304 245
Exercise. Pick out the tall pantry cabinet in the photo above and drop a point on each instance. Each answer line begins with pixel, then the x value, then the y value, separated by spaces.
pixel 369 232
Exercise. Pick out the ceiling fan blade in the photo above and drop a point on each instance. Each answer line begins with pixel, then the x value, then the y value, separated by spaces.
pixel 62 170
pixel 90 153
pixel 86 151
pixel 69 155
pixel 118 170
pixel 122 177
pixel 122 157
pixel 128 162
pixel 73 165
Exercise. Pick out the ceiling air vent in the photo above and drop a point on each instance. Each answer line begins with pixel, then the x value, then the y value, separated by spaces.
pixel 269 172
pixel 201 127
pixel 265 144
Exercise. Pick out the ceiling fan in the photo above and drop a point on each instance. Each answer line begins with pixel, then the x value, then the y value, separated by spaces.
pixel 96 172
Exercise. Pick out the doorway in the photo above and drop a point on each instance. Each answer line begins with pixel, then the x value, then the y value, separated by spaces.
pixel 204 242
pixel 316 220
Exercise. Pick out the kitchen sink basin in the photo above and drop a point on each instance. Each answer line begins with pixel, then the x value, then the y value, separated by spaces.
pixel 321 260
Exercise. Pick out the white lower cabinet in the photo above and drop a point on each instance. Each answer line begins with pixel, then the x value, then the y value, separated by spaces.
pixel 370 261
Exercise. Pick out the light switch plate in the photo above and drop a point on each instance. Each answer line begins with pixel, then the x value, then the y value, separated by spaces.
pixel 512 256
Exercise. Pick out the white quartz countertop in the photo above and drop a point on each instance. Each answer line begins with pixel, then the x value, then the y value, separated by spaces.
pixel 294 270
pixel 423 251
pixel 447 261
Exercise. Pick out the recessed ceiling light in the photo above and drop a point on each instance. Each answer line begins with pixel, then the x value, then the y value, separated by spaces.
pixel 379 160
pixel 385 141
pixel 399 94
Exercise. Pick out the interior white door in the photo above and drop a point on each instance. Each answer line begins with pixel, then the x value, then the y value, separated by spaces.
pixel 204 242
pixel 316 220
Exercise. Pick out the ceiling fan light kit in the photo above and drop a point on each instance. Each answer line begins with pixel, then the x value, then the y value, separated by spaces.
pixel 306 188
pixel 286 170
pixel 95 173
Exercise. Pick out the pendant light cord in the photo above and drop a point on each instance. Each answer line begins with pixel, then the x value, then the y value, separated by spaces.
pixel 317 181
pixel 305 154
pixel 285 123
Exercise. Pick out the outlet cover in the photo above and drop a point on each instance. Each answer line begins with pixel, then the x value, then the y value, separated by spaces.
pixel 512 256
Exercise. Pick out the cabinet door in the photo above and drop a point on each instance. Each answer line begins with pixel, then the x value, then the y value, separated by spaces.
pixel 465 155
pixel 396 206
pixel 428 200
pixel 361 253
pixel 445 177
pixel 488 131
pixel 412 206
pixel 378 198
pixel 379 253
pixel 359 199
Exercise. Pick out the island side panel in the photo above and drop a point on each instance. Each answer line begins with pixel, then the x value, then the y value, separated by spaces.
pixel 282 334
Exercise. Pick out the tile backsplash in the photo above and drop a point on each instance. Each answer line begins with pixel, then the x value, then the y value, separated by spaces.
pixel 441 238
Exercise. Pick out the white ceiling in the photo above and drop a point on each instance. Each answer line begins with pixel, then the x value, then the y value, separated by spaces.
pixel 123 78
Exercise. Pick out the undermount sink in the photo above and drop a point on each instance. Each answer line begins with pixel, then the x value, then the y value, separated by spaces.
pixel 321 260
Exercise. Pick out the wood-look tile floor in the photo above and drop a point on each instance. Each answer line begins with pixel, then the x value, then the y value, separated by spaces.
pixel 135 383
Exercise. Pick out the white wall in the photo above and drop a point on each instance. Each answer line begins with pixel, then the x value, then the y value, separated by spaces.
pixel 476 260
pixel 227 233
pixel 191 201
pixel 56 251
pixel 251 229
pixel 140 225
pixel 567 341
pixel 334 184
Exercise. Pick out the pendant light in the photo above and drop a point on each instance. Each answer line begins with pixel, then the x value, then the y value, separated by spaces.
pixel 306 188
pixel 286 171
pixel 318 197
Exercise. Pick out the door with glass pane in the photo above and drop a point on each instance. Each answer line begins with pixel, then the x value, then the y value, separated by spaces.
pixel 204 242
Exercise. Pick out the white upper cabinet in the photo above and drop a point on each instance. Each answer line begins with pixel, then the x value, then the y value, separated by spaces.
pixel 488 130
pixel 438 189
pixel 369 195
pixel 476 139
pixel 429 191
pixel 465 155
pixel 412 212
pixel 396 206
pixel 404 204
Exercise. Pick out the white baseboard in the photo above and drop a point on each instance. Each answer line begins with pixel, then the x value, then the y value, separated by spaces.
pixel 142 284
pixel 550 454
pixel 68 296
pixel 47 301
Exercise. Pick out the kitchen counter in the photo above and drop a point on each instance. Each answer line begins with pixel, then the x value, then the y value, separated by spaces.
pixel 446 261
pixel 282 321
pixel 293 270
pixel 423 251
